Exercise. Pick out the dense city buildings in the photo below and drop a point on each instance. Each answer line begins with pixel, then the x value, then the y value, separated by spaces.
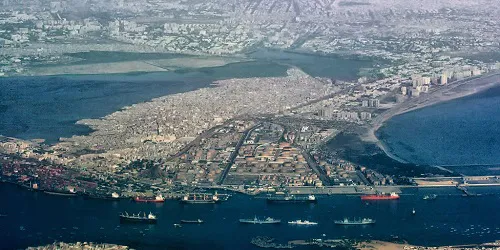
pixel 248 133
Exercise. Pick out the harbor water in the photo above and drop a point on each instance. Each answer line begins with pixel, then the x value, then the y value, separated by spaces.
pixel 34 218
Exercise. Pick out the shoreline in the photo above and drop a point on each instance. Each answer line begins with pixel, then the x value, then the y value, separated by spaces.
pixel 455 90
pixel 378 244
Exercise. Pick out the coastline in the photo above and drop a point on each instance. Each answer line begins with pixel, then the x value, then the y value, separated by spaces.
pixel 134 66
pixel 455 90
pixel 377 244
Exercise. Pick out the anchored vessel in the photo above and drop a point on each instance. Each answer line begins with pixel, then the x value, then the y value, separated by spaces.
pixel 300 222
pixel 137 218
pixel 346 221
pixel 198 221
pixel 391 196
pixel 255 220
pixel 292 199
pixel 159 198
pixel 200 198
pixel 70 192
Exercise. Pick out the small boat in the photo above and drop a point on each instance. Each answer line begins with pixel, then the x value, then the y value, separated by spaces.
pixel 300 222
pixel 198 221
pixel 413 211
pixel 177 225
pixel 430 197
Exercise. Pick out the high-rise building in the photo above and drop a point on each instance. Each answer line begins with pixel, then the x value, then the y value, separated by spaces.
pixel 476 71
pixel 415 92
pixel 404 91
pixel 366 116
pixel 444 79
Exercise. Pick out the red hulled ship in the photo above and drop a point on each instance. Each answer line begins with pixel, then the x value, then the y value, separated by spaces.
pixel 158 198
pixel 391 196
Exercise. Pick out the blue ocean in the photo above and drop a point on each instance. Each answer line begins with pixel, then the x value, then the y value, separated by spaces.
pixel 464 132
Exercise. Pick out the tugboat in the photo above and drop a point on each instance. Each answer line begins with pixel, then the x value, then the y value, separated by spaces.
pixel 391 196
pixel 158 199
pixel 198 221
pixel 347 221
pixel 137 218
pixel 292 199
pixel 200 199
pixel 300 222
pixel 268 220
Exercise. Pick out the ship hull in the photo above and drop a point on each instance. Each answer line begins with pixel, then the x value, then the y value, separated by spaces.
pixel 126 220
pixel 273 200
pixel 198 202
pixel 191 222
pixel 60 193
pixel 353 224
pixel 259 222
pixel 148 201
pixel 377 197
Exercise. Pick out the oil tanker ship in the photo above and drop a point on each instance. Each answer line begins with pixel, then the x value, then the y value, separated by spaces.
pixel 391 196
pixel 137 218
pixel 292 199
pixel 158 199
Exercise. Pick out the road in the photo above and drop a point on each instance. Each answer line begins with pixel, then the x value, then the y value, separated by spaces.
pixel 235 152
pixel 314 166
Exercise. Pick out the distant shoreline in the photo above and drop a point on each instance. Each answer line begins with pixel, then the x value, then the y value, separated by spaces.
pixel 377 244
pixel 455 90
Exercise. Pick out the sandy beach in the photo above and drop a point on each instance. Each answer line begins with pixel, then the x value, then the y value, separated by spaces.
pixel 440 94
pixel 158 65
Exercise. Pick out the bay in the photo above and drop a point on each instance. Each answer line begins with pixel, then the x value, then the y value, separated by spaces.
pixel 47 107
pixel 464 131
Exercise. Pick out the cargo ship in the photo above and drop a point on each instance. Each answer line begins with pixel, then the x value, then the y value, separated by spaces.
pixel 198 221
pixel 137 218
pixel 391 196
pixel 200 199
pixel 69 192
pixel 158 199
pixel 347 221
pixel 292 199
pixel 300 222
pixel 255 220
